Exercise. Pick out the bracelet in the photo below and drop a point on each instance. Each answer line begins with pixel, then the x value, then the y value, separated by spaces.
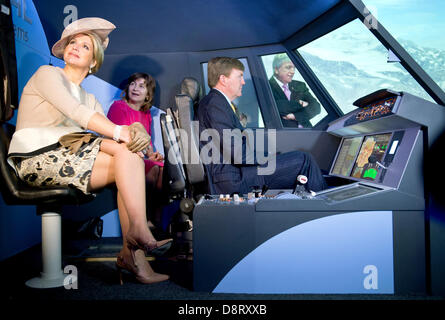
pixel 117 133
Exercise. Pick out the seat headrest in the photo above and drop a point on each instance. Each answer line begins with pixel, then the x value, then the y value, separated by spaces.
pixel 190 86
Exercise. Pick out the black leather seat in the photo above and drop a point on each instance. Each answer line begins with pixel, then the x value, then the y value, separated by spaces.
pixel 16 192
pixel 175 185
pixel 184 174
pixel 48 200
pixel 187 104
pixel 190 87
pixel 49 203
pixel 174 175
pixel 184 171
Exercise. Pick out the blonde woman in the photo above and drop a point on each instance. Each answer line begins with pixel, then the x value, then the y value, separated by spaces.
pixel 53 106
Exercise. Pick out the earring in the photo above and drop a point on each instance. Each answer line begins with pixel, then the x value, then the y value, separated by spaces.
pixel 90 71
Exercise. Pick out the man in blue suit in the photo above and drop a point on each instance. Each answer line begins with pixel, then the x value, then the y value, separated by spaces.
pixel 235 169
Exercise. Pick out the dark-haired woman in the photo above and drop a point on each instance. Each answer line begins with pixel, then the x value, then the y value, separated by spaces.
pixel 135 107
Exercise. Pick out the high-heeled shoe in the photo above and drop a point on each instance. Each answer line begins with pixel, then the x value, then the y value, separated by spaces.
pixel 133 269
pixel 154 247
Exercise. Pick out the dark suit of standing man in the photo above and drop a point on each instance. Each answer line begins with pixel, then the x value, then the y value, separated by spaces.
pixel 239 173
pixel 298 106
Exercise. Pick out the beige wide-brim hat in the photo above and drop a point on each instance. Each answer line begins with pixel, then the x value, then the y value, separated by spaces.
pixel 99 26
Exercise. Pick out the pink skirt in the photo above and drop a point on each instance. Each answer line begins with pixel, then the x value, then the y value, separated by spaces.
pixel 150 164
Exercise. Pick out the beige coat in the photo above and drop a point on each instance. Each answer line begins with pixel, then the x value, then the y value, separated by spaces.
pixel 50 107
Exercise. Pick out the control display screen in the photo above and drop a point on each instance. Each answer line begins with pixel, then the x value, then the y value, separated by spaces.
pixel 346 156
pixel 371 153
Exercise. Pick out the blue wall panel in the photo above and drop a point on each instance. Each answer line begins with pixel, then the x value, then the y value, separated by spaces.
pixel 343 253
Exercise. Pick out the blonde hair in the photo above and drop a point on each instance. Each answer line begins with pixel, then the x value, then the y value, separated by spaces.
pixel 98 52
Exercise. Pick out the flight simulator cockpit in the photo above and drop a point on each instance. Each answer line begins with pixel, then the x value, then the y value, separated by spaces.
pixel 347 238
pixel 363 96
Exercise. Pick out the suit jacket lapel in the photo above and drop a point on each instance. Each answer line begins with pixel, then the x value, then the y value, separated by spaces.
pixel 277 89
pixel 235 120
pixel 296 88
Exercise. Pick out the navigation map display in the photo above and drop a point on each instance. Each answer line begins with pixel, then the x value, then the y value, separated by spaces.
pixel 371 153
pixel 346 156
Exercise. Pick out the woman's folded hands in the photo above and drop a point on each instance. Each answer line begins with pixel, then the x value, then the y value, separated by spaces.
pixel 139 138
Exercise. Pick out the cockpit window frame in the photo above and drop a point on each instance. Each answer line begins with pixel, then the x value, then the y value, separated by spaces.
pixel 255 90
pixel 309 78
pixel 349 10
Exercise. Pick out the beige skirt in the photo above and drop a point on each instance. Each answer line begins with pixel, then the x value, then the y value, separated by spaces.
pixel 59 167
